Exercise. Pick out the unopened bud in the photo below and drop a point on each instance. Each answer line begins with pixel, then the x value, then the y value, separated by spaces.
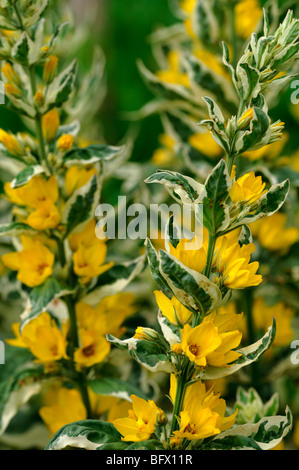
pixel 50 68
pixel 65 143
pixel 39 99
pixel 245 119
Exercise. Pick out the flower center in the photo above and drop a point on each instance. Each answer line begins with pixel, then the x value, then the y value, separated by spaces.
pixel 190 428
pixel 41 268
pixel 194 349
pixel 88 351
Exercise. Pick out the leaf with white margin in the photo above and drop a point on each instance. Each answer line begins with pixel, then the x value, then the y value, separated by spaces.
pixel 81 206
pixel 115 280
pixel 15 229
pixel 183 189
pixel 249 354
pixel 194 290
pixel 26 175
pixel 113 387
pixel 91 154
pixel 149 354
pixel 264 435
pixel 268 204
pixel 170 332
pixel 19 388
pixel 86 434
pixel 40 298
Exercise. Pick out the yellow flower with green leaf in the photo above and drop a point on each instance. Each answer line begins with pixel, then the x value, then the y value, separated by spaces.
pixel 76 176
pixel 34 262
pixel 172 309
pixel 203 412
pixel 43 337
pixel 247 189
pixel 37 191
pixel 140 424
pixel 199 342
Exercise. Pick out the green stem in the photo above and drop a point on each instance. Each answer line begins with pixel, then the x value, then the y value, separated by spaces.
pixel 211 249
pixel 178 403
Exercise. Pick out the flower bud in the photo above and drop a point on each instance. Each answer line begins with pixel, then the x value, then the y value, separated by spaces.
pixel 50 68
pixel 50 124
pixel 11 75
pixel 39 99
pixel 245 119
pixel 65 143
pixel 146 334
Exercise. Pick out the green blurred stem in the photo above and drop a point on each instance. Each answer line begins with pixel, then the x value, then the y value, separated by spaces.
pixel 211 249
pixel 247 303
pixel 234 39
pixel 32 78
pixel 179 399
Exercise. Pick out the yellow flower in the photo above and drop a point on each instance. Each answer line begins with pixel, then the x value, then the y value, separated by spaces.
pixel 172 309
pixel 62 406
pixel 34 263
pixel 108 315
pixel 211 60
pixel 248 13
pixel 204 143
pixel 46 216
pixel 197 343
pixel 140 424
pixel 173 74
pixel 50 124
pixel 50 68
pixel 273 234
pixel 195 258
pixel 89 261
pixel 263 315
pixel 227 325
pixel 93 348
pixel 65 142
pixel 43 338
pixel 165 154
pixel 11 75
pixel 112 407
pixel 37 191
pixel 203 413
pixel 232 262
pixel 86 237
pixel 11 143
pixel 13 90
pixel 76 177
pixel 249 188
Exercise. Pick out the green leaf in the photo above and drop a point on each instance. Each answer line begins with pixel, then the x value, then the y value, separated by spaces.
pixel 91 154
pixel 62 86
pixel 26 175
pixel 215 210
pixel 149 354
pixel 110 386
pixel 152 444
pixel 264 435
pixel 183 189
pixel 115 280
pixel 82 204
pixel 248 81
pixel 86 434
pixel 258 134
pixel 20 51
pixel 40 297
pixel 153 261
pixel 269 203
pixel 192 289
pixel 15 229
pixel 20 379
